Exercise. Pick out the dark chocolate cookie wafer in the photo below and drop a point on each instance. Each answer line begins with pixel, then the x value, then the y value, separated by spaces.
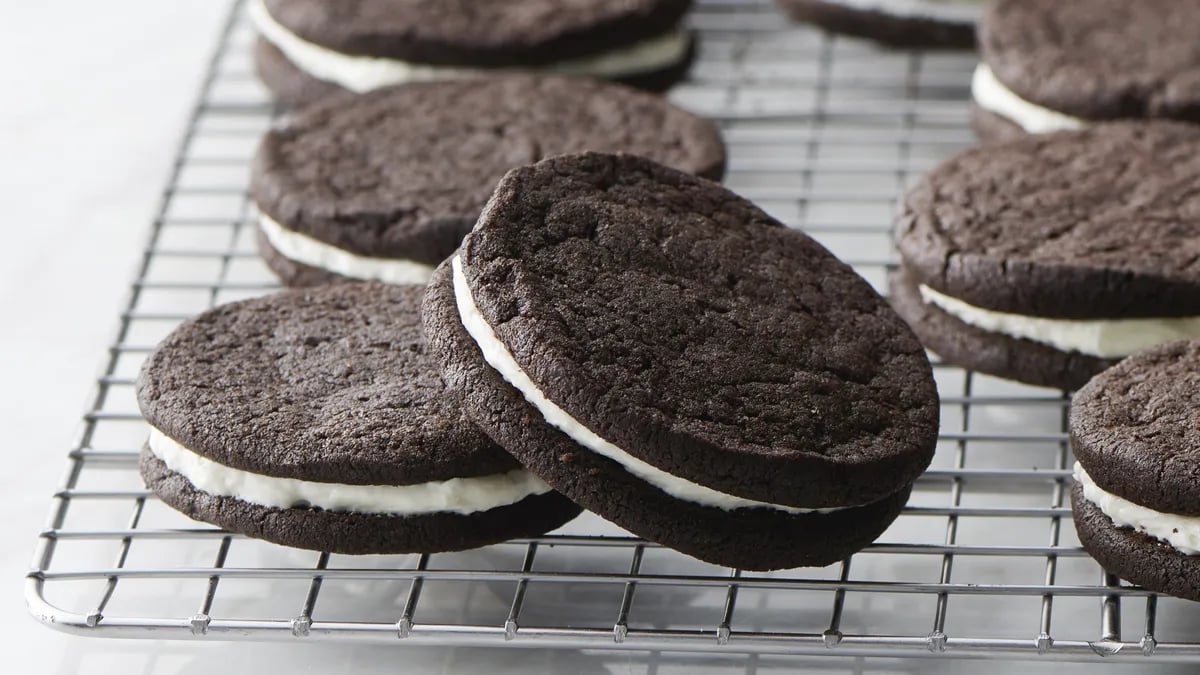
pixel 309 49
pixel 1050 65
pixel 992 128
pixel 1133 555
pixel 675 360
pixel 384 186
pixel 986 351
pixel 1136 498
pixel 899 23
pixel 317 419
pixel 1047 258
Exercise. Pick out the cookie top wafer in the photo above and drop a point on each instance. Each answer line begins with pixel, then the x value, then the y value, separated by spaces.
pixel 1097 223
pixel 404 172
pixel 333 385
pixel 1135 428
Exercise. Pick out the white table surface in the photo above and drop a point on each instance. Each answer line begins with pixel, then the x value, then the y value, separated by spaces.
pixel 95 98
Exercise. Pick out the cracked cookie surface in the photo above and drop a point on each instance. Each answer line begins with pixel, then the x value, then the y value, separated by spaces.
pixel 331 385
pixel 404 172
pixel 1098 59
pixel 1135 428
pixel 334 384
pixel 1098 223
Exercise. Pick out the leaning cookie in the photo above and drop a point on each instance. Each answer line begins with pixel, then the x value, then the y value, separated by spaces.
pixel 899 23
pixel 1136 499
pixel 384 186
pixel 1050 65
pixel 1048 258
pixel 316 419
pixel 675 360
pixel 309 49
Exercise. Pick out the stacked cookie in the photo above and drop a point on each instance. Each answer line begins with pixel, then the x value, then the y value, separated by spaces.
pixel 1136 500
pixel 1048 258
pixel 383 186
pixel 1049 65
pixel 317 419
pixel 310 49
pixel 668 356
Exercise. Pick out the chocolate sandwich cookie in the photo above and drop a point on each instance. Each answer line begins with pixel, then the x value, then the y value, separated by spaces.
pixel 1047 258
pixel 1136 499
pixel 317 419
pixel 898 23
pixel 675 360
pixel 309 49
pixel 1049 65
pixel 384 186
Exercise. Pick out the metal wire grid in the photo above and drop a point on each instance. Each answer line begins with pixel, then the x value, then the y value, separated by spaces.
pixel 823 132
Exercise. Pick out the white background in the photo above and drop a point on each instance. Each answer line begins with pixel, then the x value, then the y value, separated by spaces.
pixel 95 96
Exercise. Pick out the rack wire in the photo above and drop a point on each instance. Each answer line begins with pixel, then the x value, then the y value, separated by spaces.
pixel 826 134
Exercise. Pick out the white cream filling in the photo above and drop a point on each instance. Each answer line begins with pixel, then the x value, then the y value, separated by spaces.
pixel 457 495
pixel 1181 532
pixel 304 249
pixel 364 73
pixel 958 11
pixel 1105 338
pixel 498 357
pixel 991 95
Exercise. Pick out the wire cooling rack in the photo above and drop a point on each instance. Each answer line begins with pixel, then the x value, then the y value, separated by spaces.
pixel 823 132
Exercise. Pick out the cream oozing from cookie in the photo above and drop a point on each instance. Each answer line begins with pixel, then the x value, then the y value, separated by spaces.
pixel 458 495
pixel 959 11
pixel 497 355
pixel 306 250
pixel 1181 532
pixel 1104 338
pixel 364 73
pixel 991 95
